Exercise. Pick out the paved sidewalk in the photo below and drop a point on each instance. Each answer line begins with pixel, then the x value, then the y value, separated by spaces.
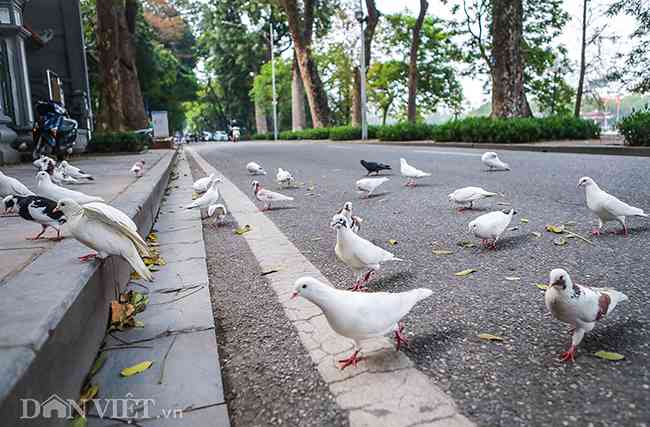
pixel 112 178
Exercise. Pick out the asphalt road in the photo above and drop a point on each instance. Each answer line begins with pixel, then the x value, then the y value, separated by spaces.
pixel 518 381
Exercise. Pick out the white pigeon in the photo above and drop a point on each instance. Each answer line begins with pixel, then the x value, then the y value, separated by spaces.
pixel 219 211
pixel 9 185
pixel 268 196
pixel 411 173
pixel 466 195
pixel 59 177
pixel 607 207
pixel 74 172
pixel 353 221
pixel 366 186
pixel 284 177
pixel 255 169
pixel 208 198
pixel 44 163
pixel 46 188
pixel 489 227
pixel 579 306
pixel 361 316
pixel 492 162
pixel 138 168
pixel 358 253
pixel 100 229
pixel 202 185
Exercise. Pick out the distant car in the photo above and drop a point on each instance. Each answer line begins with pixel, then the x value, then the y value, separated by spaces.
pixel 220 136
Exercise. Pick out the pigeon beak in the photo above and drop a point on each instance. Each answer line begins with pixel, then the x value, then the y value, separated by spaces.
pixel 55 210
pixel 294 295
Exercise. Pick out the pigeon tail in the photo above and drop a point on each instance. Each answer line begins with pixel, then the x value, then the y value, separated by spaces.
pixel 421 293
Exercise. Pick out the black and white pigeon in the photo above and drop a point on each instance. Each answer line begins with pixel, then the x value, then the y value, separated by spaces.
pixel 36 209
pixel 374 167
pixel 607 207
pixel 361 316
pixel 354 222
pixel 579 306
pixel 10 185
pixel 74 172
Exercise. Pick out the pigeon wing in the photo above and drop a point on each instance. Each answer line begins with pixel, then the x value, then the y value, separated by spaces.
pixel 99 212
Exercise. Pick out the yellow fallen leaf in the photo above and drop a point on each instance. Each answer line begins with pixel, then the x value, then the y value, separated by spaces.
pixel 392 242
pixel 243 230
pixel 78 422
pixel 513 278
pixel 88 393
pixel 465 272
pixel 135 276
pixel 557 229
pixel 490 337
pixel 136 369
pixel 152 237
pixel 466 244
pixel 609 355
pixel 195 196
pixel 542 286
pixel 524 220
pixel 441 252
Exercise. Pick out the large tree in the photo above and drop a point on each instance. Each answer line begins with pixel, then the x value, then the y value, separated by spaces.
pixel 508 96
pixel 411 111
pixel 298 18
pixel 122 106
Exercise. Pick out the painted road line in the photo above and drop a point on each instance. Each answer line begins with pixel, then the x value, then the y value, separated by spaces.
pixel 386 389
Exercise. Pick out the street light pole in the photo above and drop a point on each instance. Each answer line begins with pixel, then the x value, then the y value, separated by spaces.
pixel 275 100
pixel 359 15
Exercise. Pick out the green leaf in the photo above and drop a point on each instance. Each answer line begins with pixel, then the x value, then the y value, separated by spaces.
pixel 524 220
pixel 78 422
pixel 136 369
pixel 490 337
pixel 609 355
pixel 99 362
pixel 560 241
pixel 542 286
pixel 465 272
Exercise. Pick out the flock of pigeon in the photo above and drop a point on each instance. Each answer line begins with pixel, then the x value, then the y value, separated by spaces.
pixel 351 313
pixel 363 315
pixel 87 218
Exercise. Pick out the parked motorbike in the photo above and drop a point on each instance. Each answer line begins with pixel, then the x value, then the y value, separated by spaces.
pixel 54 132
pixel 235 134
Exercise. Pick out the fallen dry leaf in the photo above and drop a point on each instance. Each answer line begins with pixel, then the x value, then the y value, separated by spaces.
pixel 490 337
pixel 466 244
pixel 392 242
pixel 243 230
pixel 524 220
pixel 560 241
pixel 557 229
pixel 465 272
pixel 542 286
pixel 136 369
pixel 441 252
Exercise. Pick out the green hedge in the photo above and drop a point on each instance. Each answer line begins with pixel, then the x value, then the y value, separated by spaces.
pixel 117 142
pixel 262 136
pixel 405 132
pixel 635 128
pixel 485 129
pixel 471 129
pixel 348 133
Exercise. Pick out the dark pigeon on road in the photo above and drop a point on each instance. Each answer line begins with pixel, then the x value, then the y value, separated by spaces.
pixel 36 209
pixel 375 167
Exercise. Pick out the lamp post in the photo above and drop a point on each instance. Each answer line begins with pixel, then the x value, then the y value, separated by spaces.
pixel 275 99
pixel 360 17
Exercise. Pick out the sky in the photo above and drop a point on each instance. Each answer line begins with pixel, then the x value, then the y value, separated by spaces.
pixel 473 87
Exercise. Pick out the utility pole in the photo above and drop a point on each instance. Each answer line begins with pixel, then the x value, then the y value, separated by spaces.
pixel 275 99
pixel 359 15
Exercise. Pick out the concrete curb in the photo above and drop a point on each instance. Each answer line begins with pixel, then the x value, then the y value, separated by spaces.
pixel 386 389
pixel 54 313
pixel 608 150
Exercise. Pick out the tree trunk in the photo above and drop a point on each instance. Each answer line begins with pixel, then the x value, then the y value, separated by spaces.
pixel 122 107
pixel 413 62
pixel 316 96
pixel 369 33
pixel 508 96
pixel 298 114
pixel 260 118
pixel 583 65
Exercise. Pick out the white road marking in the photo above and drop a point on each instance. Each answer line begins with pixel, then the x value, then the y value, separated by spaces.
pixel 384 390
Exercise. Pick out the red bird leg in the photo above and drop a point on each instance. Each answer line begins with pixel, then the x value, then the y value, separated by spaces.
pixel 352 360
pixel 569 355
pixel 58 235
pixel 595 232
pixel 87 257
pixel 367 277
pixel 38 236
pixel 400 338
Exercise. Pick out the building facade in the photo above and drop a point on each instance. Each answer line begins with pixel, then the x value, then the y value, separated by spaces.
pixel 42 57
